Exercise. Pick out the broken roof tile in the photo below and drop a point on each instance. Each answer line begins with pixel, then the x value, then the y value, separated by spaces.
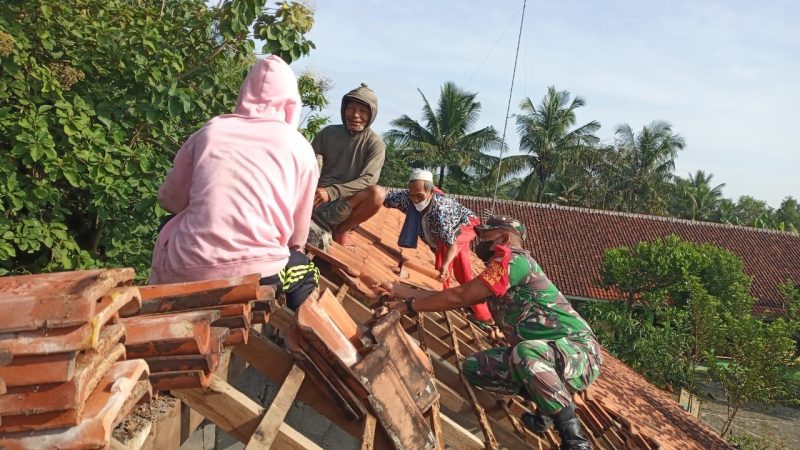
pixel 328 302
pixel 323 334
pixel 141 393
pixel 392 402
pixel 416 370
pixel 56 300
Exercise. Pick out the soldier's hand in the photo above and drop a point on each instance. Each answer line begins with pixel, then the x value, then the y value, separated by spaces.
pixel 396 305
pixel 496 335
pixel 384 290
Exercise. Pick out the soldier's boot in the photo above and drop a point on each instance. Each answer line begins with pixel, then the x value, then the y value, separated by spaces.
pixel 570 430
pixel 537 422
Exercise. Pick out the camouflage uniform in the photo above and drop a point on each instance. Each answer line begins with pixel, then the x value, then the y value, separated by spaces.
pixel 553 351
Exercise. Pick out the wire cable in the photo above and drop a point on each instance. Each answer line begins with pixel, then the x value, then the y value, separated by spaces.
pixel 508 107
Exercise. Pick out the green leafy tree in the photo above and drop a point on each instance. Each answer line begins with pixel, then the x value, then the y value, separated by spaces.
pixel 726 212
pixel 752 212
pixel 760 356
pixel 676 294
pixel 95 99
pixel 397 167
pixel 446 139
pixel 550 138
pixel 590 179
pixel 687 305
pixel 648 159
pixel 788 215
pixel 312 92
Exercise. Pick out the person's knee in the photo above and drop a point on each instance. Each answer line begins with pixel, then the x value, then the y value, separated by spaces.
pixel 376 194
pixel 527 352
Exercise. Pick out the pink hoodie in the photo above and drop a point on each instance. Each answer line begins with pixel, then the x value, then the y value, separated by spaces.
pixel 242 187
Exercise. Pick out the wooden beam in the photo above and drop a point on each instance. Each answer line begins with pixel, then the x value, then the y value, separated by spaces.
pixel 459 437
pixel 290 439
pixel 237 414
pixel 228 408
pixel 459 410
pixel 368 437
pixel 435 417
pixel 274 363
pixel 268 428
pixel 486 427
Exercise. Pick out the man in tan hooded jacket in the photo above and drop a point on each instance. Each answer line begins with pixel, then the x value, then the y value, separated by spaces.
pixel 352 158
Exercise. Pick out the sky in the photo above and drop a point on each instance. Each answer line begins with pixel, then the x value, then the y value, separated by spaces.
pixel 726 74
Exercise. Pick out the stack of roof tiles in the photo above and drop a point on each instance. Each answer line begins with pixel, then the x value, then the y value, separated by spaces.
pixel 181 329
pixel 620 410
pixel 62 384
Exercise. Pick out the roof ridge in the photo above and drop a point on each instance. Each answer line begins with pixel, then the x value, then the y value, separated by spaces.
pixel 522 203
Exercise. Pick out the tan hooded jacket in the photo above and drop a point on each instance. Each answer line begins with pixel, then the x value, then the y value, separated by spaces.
pixel 350 162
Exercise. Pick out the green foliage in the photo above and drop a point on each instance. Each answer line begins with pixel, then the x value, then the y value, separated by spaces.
pixel 648 161
pixel 760 355
pixel 446 139
pixel 549 136
pixel 747 441
pixel 694 197
pixel 397 167
pixel 312 92
pixel 657 273
pixel 687 304
pixel 95 99
pixel 283 31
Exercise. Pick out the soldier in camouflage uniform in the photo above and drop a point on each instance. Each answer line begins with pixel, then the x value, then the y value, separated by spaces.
pixel 552 351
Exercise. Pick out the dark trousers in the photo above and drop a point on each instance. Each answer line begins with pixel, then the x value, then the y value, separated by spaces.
pixel 296 281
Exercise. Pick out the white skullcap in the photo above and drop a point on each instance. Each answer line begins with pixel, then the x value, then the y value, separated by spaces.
pixel 421 174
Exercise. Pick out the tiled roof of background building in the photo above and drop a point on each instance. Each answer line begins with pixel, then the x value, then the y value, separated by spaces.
pixel 569 243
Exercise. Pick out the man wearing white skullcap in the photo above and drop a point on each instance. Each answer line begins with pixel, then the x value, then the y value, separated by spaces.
pixel 445 225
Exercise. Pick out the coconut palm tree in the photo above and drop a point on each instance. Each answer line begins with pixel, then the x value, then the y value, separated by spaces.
pixel 549 137
pixel 647 164
pixel 700 197
pixel 446 138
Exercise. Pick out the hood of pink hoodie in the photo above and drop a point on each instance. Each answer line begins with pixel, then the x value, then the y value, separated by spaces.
pixel 270 92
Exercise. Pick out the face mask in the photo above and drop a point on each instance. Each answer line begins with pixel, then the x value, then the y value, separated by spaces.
pixel 422 205
pixel 484 250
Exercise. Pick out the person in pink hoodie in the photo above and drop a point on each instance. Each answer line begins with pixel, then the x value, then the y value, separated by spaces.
pixel 242 190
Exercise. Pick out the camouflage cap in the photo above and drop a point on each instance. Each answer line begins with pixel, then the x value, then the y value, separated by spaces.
pixel 503 223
